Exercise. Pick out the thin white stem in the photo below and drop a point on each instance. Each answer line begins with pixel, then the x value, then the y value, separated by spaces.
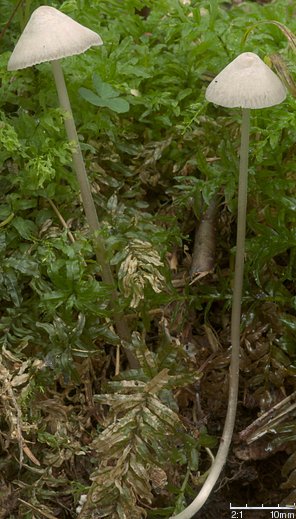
pixel 78 163
pixel 225 441
pixel 88 203
pixel 79 168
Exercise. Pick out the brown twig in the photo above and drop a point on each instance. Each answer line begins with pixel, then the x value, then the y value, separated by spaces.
pixel 38 510
pixel 10 19
pixel 63 222
pixel 268 420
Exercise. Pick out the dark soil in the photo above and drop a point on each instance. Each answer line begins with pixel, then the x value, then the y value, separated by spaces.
pixel 253 483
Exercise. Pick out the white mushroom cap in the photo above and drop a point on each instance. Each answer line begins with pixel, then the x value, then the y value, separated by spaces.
pixel 50 35
pixel 246 83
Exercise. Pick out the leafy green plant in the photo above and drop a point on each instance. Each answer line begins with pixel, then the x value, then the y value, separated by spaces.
pixel 153 171
pixel 105 96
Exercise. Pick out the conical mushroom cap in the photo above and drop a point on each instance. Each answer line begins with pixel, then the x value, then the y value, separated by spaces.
pixel 246 83
pixel 50 35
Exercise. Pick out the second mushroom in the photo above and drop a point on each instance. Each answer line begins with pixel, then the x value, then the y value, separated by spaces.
pixel 246 83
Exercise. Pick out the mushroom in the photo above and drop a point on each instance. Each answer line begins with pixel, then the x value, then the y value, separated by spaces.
pixel 245 83
pixel 49 36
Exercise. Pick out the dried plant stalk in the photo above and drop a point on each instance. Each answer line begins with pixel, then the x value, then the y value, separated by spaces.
pixel 203 258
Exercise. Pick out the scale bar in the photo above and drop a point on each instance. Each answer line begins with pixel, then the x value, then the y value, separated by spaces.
pixel 262 507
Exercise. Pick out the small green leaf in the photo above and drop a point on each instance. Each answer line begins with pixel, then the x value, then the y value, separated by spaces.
pixel 24 265
pixel 25 228
pixel 91 97
pixel 117 104
pixel 104 89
